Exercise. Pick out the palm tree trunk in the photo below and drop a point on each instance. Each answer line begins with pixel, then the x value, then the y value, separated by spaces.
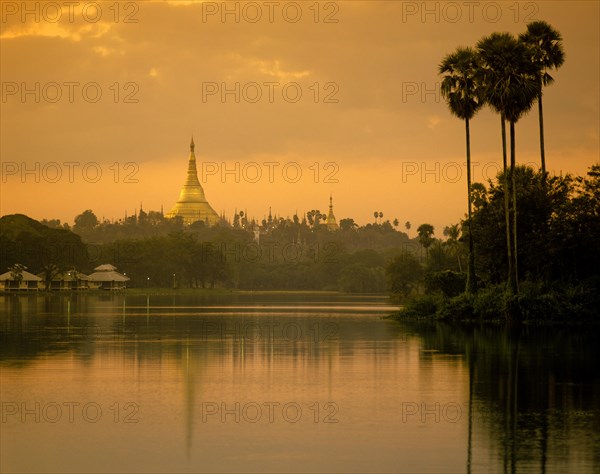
pixel 515 275
pixel 541 117
pixel 507 188
pixel 471 278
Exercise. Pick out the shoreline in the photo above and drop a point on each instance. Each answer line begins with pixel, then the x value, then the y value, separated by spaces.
pixel 186 292
pixel 499 321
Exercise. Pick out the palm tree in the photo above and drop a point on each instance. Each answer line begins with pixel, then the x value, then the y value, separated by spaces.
pixel 461 89
pixel 489 49
pixel 425 232
pixel 407 226
pixel 546 52
pixel 16 273
pixel 509 80
pixel 453 233
pixel 478 194
pixel 49 271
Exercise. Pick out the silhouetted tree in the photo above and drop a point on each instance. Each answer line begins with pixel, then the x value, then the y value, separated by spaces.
pixel 463 93
pixel 546 52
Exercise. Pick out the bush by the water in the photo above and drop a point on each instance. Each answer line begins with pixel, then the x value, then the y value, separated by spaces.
pixel 422 306
pixel 448 282
pixel 537 301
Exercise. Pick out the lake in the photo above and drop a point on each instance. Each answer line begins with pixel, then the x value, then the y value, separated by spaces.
pixel 286 383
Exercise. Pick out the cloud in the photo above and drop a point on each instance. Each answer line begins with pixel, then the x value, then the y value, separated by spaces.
pixel 63 23
pixel 105 51
pixel 274 69
pixel 433 121
pixel 249 66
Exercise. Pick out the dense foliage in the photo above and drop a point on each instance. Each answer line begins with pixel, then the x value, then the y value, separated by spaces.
pixel 27 242
pixel 158 252
pixel 559 255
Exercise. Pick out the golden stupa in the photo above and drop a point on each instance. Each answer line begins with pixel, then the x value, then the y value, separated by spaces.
pixel 331 222
pixel 192 205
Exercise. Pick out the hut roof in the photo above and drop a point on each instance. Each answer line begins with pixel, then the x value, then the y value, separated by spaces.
pixel 107 267
pixel 25 274
pixel 107 276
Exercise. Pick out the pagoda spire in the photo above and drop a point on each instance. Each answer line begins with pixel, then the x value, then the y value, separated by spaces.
pixel 192 204
pixel 331 222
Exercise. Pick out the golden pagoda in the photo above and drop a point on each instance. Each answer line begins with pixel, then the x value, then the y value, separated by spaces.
pixel 192 205
pixel 331 222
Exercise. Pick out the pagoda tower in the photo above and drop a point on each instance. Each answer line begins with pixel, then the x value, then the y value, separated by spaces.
pixel 192 205
pixel 331 222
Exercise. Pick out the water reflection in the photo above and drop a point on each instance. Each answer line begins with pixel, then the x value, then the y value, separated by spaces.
pixel 533 393
pixel 374 395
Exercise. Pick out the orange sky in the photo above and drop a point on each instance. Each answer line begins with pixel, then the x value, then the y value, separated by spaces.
pixel 368 118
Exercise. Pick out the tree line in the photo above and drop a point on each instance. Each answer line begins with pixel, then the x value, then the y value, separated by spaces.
pixel 277 254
